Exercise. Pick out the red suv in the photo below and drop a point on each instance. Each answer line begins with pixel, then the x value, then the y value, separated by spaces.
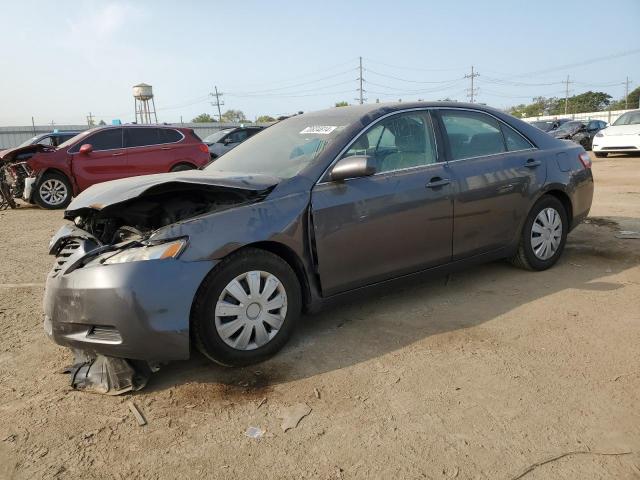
pixel 109 153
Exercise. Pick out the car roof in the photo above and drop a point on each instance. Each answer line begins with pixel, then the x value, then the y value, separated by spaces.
pixel 374 110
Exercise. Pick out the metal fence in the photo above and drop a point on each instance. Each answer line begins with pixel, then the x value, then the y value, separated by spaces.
pixel 608 116
pixel 13 136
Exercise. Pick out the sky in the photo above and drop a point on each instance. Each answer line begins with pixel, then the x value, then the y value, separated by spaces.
pixel 67 58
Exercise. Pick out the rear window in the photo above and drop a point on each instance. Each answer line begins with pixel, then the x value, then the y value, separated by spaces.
pixel 169 135
pixel 514 140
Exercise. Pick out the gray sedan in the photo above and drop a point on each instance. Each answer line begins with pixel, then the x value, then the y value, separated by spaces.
pixel 316 207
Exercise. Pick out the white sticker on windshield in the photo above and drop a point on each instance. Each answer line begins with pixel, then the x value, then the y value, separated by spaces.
pixel 319 129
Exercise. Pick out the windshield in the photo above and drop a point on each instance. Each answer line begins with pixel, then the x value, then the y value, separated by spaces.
pixel 283 149
pixel 215 137
pixel 31 141
pixel 75 138
pixel 629 118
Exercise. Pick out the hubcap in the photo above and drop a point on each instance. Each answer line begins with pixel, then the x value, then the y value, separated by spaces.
pixel 546 233
pixel 53 191
pixel 251 310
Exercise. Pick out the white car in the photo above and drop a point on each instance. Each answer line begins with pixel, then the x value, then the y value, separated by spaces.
pixel 623 135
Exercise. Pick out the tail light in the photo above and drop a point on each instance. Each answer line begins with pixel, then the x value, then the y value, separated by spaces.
pixel 203 148
pixel 585 159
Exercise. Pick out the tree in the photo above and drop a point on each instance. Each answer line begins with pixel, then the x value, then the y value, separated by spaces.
pixel 265 119
pixel 633 101
pixel 585 102
pixel 203 118
pixel 234 116
pixel 539 106
pixel 102 122
pixel 342 104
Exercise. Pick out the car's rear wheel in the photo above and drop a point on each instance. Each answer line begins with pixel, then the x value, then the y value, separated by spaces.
pixel 53 191
pixel 600 154
pixel 543 236
pixel 247 308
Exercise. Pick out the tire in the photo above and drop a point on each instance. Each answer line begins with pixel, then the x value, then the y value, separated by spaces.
pixel 530 258
pixel 600 154
pixel 245 344
pixel 181 167
pixel 53 191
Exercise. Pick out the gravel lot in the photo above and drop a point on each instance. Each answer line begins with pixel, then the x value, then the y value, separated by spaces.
pixel 479 376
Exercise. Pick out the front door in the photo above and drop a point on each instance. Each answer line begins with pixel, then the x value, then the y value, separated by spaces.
pixel 392 223
pixel 107 160
pixel 496 171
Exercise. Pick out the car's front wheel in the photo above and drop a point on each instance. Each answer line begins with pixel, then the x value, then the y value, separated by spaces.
pixel 544 235
pixel 53 191
pixel 246 309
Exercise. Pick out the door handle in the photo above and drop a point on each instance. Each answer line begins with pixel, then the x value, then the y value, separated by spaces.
pixel 165 148
pixel 436 182
pixel 531 163
pixel 117 154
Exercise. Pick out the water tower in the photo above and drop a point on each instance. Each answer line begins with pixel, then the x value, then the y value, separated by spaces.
pixel 144 105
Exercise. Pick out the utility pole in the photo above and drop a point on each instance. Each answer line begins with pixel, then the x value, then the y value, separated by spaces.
pixel 626 94
pixel 217 103
pixel 33 124
pixel 566 95
pixel 360 80
pixel 472 90
pixel 90 119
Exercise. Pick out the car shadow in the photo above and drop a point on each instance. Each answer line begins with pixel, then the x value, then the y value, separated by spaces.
pixel 373 326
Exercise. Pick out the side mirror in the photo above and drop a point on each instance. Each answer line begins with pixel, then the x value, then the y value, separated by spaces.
pixel 353 167
pixel 86 149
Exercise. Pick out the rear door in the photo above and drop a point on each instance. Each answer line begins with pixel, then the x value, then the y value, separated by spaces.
pixel 395 222
pixel 144 149
pixel 497 170
pixel 107 161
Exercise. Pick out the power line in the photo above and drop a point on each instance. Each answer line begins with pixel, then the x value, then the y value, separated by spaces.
pixel 579 64
pixel 410 81
pixel 415 68
pixel 297 84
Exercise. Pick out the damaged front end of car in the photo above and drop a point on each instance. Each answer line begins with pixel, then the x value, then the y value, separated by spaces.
pixel 120 299
pixel 16 171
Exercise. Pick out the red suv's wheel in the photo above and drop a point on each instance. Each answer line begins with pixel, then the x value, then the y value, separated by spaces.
pixel 53 191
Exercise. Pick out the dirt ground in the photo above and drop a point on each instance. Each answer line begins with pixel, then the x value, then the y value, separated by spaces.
pixel 480 376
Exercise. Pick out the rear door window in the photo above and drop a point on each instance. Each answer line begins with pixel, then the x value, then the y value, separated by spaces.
pixel 141 137
pixel 472 134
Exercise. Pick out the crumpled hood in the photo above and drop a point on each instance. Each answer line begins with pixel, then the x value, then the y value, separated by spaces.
pixel 614 130
pixel 557 134
pixel 108 193
pixel 11 153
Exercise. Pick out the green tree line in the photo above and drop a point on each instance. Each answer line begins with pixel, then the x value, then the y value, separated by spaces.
pixel 582 103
